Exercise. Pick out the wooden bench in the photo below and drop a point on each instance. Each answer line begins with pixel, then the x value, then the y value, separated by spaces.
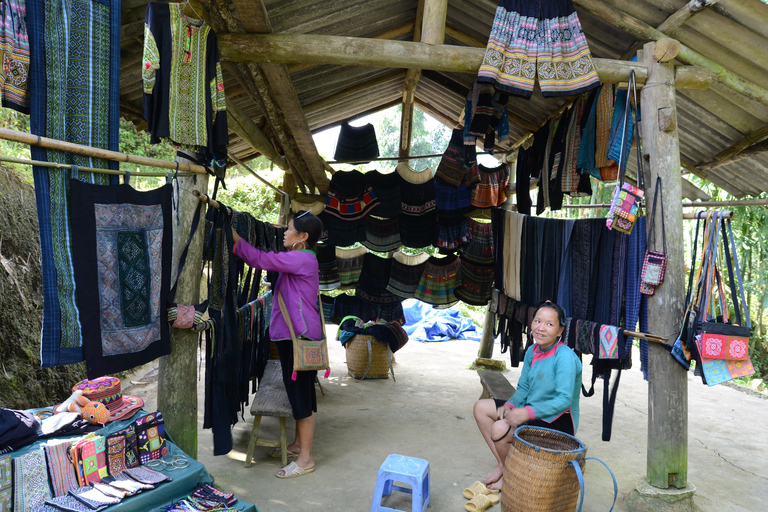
pixel 495 385
pixel 270 400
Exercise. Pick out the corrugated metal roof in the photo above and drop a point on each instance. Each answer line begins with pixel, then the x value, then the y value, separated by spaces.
pixel 733 33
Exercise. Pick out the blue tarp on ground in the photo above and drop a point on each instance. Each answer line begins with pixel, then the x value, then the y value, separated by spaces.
pixel 424 323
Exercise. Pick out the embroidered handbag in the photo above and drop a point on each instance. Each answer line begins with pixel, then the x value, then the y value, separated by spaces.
pixel 92 454
pixel 116 453
pixel 150 431
pixel 131 447
pixel 181 316
pixel 654 263
pixel 308 354
pixel 625 204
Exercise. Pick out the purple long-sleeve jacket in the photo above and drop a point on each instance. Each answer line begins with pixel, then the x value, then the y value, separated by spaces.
pixel 298 283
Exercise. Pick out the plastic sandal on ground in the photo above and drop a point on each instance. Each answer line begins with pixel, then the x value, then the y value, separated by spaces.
pixel 481 502
pixel 478 488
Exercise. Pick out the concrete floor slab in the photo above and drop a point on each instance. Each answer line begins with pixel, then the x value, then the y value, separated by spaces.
pixel 427 413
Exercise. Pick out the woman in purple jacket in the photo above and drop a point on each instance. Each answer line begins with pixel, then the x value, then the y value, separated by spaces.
pixel 298 284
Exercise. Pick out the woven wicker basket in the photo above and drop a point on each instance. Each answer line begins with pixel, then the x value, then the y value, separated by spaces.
pixel 538 476
pixel 368 358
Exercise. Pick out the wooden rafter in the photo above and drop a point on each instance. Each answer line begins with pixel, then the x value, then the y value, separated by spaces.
pixel 760 147
pixel 743 144
pixel 240 123
pixel 680 17
pixel 409 86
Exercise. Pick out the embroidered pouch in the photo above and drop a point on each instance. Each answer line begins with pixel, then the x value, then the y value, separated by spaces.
pixel 109 490
pixel 609 342
pixel 131 447
pixel 116 453
pixel 94 459
pixel 68 503
pixel 94 498
pixel 147 476
pixel 126 483
pixel 150 431
pixel 654 268
pixel 717 371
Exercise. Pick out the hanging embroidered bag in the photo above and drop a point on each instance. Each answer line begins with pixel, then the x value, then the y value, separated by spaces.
pixel 150 432
pixel 308 354
pixel 625 204
pixel 654 263
pixel 179 315
pixel 116 453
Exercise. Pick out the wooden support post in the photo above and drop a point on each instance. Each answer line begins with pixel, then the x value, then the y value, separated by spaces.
pixel 486 340
pixel 668 382
pixel 177 378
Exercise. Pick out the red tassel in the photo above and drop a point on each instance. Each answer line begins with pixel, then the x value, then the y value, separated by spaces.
pixel 327 373
pixel 294 375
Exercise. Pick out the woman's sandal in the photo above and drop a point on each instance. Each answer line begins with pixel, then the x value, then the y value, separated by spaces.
pixel 293 470
pixel 478 488
pixel 481 502
pixel 276 454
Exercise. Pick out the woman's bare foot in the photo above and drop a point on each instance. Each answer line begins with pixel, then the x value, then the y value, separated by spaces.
pixel 494 476
pixel 497 485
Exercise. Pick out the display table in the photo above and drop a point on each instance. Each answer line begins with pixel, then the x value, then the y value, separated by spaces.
pixel 184 481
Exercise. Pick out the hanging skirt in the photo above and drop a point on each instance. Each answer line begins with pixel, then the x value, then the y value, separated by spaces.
pixel 458 162
pixel 453 201
pixel 382 235
pixel 480 248
pixel 452 233
pixel 475 283
pixel 490 191
pixel 14 49
pixel 350 305
pixel 374 278
pixel 350 263
pixel 438 281
pixel 418 217
pixel 356 142
pixel 406 273
pixel 350 197
pixel 387 190
pixel 513 231
pixel 540 37
pixel 328 267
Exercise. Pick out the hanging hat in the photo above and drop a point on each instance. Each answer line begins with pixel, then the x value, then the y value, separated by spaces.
pixel 108 391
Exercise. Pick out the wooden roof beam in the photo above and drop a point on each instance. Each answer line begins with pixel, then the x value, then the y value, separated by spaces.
pixel 240 123
pixel 358 51
pixel 643 31
pixel 752 150
pixel 735 149
pixel 678 19
pixel 393 33
pixel 421 28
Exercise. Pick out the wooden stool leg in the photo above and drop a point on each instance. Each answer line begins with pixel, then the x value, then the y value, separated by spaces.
pixel 317 380
pixel 283 442
pixel 252 441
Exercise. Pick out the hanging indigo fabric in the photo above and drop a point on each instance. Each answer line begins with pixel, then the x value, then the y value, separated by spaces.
pixel 357 143
pixel 14 47
pixel 74 97
pixel 122 266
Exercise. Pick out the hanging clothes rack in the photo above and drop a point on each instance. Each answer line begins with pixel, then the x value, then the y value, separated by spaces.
pixel 79 149
pixel 39 163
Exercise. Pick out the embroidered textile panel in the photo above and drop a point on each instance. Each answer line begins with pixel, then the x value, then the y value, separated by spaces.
pixel 74 90
pixel 30 481
pixel 126 236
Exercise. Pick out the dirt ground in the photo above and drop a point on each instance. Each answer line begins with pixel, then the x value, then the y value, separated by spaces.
pixel 427 413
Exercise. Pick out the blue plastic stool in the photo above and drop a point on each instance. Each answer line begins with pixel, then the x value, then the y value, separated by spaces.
pixel 409 470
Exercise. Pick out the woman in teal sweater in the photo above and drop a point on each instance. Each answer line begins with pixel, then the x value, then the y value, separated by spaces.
pixel 547 393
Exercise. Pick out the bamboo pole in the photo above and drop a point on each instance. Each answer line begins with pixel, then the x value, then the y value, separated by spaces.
pixel 39 163
pixel 694 204
pixel 78 149
pixel 643 31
